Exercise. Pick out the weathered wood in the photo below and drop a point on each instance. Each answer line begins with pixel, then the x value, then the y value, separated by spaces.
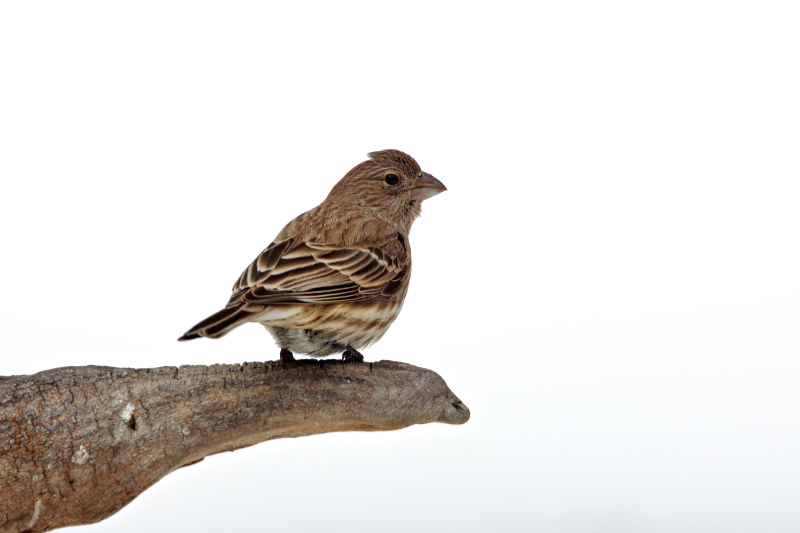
pixel 79 443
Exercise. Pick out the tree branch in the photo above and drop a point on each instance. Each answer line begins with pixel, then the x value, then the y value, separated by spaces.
pixel 79 443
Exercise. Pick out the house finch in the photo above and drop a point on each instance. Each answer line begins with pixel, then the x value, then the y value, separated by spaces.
pixel 334 279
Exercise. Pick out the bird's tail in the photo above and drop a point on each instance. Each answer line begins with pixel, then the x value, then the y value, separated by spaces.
pixel 219 324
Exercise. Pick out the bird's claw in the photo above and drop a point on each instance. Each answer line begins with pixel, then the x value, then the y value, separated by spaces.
pixel 286 355
pixel 351 354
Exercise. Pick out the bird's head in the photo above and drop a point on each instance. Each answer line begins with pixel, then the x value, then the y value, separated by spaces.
pixel 391 184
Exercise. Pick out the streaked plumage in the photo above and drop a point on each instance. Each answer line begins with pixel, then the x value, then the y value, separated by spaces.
pixel 334 279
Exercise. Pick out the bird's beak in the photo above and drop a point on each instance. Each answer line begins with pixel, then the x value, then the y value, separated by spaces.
pixel 426 187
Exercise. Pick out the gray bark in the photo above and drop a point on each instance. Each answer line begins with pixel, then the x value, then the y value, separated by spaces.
pixel 79 443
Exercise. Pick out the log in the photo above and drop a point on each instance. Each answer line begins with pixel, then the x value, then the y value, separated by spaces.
pixel 79 443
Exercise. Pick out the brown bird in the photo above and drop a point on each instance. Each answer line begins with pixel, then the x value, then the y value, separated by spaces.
pixel 334 279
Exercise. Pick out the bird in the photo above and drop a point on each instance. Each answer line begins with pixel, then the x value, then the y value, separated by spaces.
pixel 335 278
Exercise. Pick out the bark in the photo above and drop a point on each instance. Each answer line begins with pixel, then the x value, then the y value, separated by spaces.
pixel 79 443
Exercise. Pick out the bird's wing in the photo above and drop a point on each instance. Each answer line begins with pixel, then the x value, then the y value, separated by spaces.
pixel 294 271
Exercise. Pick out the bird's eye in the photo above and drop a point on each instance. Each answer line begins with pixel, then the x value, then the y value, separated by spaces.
pixel 391 179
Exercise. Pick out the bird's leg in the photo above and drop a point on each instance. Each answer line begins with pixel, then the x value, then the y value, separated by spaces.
pixel 351 354
pixel 286 355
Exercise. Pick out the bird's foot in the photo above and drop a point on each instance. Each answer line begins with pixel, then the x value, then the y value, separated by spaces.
pixel 286 355
pixel 351 354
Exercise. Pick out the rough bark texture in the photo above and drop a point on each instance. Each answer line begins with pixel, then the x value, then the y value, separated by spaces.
pixel 79 443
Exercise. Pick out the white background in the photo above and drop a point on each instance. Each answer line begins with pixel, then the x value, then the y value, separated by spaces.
pixel 610 284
